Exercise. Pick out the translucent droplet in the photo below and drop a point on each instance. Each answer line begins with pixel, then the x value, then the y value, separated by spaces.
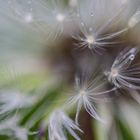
pixel 132 57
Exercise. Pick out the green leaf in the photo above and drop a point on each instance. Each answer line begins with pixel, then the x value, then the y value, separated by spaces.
pixel 43 108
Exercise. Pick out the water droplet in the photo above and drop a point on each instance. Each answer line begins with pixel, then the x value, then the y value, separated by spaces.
pixel 132 56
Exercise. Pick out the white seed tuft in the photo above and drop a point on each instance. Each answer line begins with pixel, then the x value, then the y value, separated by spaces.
pixel 14 100
pixel 87 91
pixel 58 122
pixel 123 73
pixel 11 128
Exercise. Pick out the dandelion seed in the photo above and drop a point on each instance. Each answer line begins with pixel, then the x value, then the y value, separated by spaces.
pixel 93 35
pixel 21 11
pixel 10 128
pixel 55 18
pixel 58 122
pixel 86 92
pixel 123 74
pixel 11 101
pixel 51 18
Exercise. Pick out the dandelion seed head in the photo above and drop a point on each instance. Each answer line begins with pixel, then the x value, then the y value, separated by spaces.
pixel 93 36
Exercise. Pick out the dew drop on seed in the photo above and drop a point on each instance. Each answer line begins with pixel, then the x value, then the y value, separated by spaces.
pixel 132 57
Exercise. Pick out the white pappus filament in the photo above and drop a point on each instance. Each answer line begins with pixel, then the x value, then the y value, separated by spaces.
pixel 21 12
pixel 94 41
pixel 13 100
pixel 12 129
pixel 58 122
pixel 56 17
